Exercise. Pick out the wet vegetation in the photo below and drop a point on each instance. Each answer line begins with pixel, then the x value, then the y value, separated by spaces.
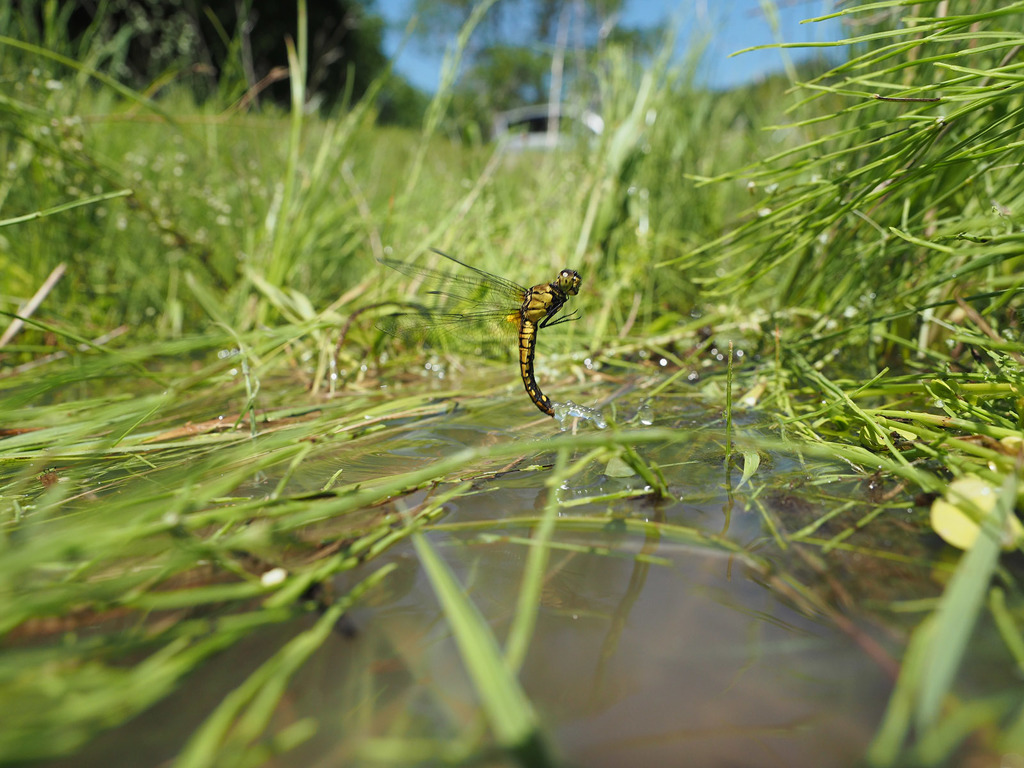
pixel 800 317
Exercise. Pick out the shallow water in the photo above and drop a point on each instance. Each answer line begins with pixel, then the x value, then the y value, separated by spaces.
pixel 647 664
pixel 649 650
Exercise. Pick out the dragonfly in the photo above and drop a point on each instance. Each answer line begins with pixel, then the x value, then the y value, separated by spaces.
pixel 490 305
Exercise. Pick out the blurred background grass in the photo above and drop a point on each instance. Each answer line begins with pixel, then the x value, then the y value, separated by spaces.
pixel 305 202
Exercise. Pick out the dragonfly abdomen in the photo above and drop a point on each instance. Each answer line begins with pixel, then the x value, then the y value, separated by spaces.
pixel 527 350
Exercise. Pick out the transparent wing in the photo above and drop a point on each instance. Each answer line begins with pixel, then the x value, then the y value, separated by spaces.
pixel 474 286
pixel 453 329
pixel 475 307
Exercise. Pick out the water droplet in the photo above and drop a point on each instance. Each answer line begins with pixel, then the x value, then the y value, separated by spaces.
pixel 565 412
pixel 645 413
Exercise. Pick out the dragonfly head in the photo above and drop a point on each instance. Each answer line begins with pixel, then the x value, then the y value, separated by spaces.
pixel 569 281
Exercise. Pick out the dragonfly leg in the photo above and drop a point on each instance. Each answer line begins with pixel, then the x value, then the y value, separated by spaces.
pixel 549 320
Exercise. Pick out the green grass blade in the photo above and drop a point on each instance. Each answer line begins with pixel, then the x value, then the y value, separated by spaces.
pixel 506 707
pixel 234 731
pixel 525 620
pixel 960 607
pixel 938 644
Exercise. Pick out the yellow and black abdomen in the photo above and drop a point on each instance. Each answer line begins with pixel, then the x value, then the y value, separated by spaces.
pixel 527 349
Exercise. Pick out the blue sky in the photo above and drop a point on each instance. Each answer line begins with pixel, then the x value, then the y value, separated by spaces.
pixel 730 24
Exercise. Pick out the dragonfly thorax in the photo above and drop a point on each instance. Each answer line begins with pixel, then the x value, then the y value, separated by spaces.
pixel 543 301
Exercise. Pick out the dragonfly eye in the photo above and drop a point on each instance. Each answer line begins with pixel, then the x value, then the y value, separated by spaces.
pixel 569 281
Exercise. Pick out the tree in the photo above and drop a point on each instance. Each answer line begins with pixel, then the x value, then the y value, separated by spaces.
pixel 528 51
pixel 229 47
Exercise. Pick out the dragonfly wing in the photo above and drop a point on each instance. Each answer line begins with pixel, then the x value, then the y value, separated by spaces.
pixel 507 287
pixel 477 286
pixel 453 329
pixel 476 307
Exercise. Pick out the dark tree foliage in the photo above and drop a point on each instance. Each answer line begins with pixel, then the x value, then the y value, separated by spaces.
pixel 227 47
pixel 344 41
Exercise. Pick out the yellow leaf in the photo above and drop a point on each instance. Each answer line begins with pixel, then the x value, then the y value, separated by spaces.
pixel 968 499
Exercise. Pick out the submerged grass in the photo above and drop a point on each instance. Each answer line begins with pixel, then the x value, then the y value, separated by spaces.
pixel 189 454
